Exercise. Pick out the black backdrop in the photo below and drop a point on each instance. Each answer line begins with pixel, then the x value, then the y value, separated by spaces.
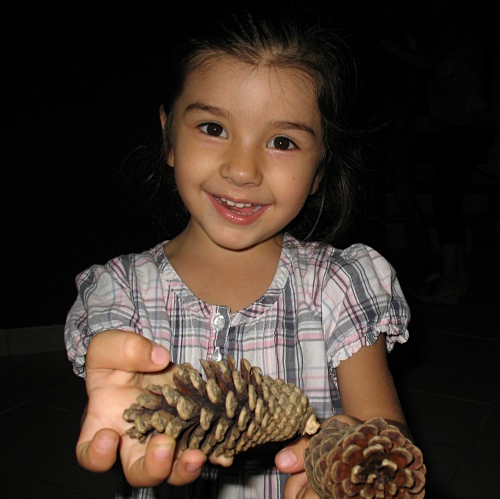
pixel 79 89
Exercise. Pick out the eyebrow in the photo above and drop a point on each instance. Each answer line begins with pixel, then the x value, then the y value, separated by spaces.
pixel 292 125
pixel 199 106
pixel 217 111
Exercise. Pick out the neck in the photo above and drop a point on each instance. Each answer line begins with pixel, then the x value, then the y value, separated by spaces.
pixel 222 276
pixel 193 243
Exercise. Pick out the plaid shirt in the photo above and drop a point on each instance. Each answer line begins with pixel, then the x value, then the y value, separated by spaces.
pixel 322 306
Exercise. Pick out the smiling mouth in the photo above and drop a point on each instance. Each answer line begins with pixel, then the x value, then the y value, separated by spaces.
pixel 239 208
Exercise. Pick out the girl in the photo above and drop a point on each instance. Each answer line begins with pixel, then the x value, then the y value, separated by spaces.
pixel 256 138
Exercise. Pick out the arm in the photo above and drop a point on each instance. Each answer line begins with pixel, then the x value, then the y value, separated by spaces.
pixel 366 386
pixel 367 390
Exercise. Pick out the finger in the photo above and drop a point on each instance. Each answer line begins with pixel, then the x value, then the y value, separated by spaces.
pixel 99 454
pixel 221 460
pixel 307 493
pixel 348 420
pixel 291 458
pixel 147 466
pixel 296 486
pixel 158 464
pixel 125 351
pixel 188 467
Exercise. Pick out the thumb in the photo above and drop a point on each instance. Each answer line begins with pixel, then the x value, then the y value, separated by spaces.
pixel 125 351
pixel 291 458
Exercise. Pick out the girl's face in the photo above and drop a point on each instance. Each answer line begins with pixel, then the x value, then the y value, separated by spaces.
pixel 247 142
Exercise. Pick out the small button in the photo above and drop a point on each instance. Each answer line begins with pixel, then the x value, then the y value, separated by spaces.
pixel 216 355
pixel 218 321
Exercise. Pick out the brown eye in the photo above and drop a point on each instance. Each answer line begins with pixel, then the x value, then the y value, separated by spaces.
pixel 213 129
pixel 281 143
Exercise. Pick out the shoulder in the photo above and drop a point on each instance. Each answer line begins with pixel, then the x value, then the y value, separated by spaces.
pixel 126 267
pixel 355 262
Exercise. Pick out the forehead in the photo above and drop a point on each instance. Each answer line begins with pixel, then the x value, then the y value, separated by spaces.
pixel 210 65
pixel 229 80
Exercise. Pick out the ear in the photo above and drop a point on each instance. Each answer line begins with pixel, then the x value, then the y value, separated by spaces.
pixel 169 155
pixel 315 183
pixel 163 116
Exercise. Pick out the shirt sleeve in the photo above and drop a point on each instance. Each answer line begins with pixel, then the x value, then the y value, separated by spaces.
pixel 361 299
pixel 104 302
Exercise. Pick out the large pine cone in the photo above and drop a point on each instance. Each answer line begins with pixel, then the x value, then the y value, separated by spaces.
pixel 229 413
pixel 370 460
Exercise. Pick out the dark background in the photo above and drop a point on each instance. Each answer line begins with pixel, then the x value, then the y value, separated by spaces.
pixel 80 89
pixel 81 83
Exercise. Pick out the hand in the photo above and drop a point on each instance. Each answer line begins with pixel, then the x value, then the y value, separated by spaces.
pixel 120 365
pixel 291 460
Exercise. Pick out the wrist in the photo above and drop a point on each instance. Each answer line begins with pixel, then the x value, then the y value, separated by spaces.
pixel 402 427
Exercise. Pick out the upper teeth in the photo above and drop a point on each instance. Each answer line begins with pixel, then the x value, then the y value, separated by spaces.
pixel 237 205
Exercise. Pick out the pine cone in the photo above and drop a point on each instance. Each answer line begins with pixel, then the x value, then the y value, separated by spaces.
pixel 235 410
pixel 229 413
pixel 370 460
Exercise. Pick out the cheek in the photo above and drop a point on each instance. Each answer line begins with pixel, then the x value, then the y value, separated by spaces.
pixel 296 191
pixel 183 177
pixel 302 184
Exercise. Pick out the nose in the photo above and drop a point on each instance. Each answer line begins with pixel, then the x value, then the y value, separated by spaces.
pixel 242 165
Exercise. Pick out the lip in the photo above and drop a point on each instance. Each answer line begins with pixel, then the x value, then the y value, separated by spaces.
pixel 237 214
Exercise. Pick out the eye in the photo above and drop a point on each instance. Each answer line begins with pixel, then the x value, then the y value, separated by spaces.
pixel 213 129
pixel 281 143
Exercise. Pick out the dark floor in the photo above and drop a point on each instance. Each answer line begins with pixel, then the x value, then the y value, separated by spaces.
pixel 448 377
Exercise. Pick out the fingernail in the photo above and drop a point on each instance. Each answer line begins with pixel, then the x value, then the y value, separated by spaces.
pixel 193 468
pixel 159 355
pixel 286 458
pixel 105 443
pixel 162 452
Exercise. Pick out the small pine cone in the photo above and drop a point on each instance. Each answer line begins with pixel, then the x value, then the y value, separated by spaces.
pixel 228 413
pixel 370 460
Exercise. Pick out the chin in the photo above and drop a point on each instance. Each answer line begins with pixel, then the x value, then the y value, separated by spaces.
pixel 241 242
